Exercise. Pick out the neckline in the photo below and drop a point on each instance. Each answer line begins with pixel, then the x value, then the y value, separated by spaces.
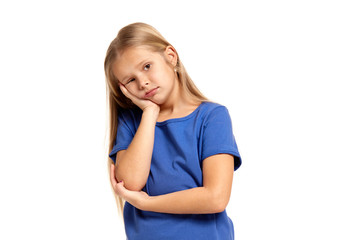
pixel 171 120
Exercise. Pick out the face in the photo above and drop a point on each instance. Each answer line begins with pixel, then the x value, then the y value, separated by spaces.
pixel 147 74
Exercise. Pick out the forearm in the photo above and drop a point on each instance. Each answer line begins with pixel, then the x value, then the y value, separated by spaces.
pixel 133 166
pixel 198 200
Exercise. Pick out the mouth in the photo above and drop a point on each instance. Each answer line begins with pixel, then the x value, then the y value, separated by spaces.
pixel 151 93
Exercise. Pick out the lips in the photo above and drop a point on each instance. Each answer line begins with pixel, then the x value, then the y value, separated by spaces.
pixel 151 93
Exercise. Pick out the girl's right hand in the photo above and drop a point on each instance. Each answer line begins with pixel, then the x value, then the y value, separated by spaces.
pixel 141 103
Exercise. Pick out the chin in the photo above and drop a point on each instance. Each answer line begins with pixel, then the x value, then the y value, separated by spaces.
pixel 156 101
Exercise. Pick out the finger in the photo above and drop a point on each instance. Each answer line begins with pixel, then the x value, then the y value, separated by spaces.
pixel 129 95
pixel 112 175
pixel 120 186
pixel 122 87
pixel 120 189
pixel 125 91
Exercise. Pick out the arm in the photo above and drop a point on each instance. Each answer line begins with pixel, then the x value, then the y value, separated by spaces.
pixel 133 165
pixel 213 197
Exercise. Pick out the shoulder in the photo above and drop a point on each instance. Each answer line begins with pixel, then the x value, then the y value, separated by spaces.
pixel 127 114
pixel 129 117
pixel 211 110
pixel 211 105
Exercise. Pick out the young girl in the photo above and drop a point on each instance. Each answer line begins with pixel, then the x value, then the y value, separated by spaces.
pixel 172 152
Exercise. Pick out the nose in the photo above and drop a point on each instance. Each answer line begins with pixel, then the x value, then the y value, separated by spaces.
pixel 143 82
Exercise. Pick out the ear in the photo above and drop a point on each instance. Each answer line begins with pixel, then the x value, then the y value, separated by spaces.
pixel 171 55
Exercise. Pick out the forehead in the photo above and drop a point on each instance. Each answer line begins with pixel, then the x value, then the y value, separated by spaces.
pixel 128 60
pixel 134 54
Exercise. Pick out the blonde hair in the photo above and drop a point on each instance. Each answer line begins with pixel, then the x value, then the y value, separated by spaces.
pixel 134 35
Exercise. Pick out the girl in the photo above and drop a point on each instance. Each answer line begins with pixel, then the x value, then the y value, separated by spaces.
pixel 172 152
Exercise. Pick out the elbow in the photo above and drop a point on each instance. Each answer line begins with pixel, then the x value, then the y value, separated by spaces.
pixel 130 183
pixel 219 207
pixel 219 202
pixel 133 186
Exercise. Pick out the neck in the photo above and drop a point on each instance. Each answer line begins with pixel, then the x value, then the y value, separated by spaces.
pixel 178 102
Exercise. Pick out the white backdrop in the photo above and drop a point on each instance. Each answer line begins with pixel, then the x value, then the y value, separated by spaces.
pixel 288 71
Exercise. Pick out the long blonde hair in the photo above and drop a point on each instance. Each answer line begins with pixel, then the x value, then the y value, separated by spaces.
pixel 133 35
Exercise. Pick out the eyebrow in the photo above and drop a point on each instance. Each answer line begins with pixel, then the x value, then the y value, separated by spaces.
pixel 137 65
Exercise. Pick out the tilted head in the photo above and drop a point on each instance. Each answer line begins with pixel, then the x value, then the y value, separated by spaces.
pixel 141 35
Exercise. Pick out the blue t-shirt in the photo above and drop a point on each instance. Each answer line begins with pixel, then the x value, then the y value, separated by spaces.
pixel 180 146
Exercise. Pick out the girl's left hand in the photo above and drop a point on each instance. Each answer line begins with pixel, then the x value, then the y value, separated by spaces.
pixel 135 198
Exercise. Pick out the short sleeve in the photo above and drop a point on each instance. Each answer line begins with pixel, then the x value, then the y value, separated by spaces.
pixel 125 132
pixel 218 136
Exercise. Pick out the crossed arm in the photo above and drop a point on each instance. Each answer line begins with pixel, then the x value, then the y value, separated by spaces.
pixel 132 169
pixel 212 197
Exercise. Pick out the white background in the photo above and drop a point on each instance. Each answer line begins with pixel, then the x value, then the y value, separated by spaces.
pixel 288 71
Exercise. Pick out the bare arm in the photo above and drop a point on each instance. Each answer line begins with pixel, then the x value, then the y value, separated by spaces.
pixel 133 164
pixel 213 197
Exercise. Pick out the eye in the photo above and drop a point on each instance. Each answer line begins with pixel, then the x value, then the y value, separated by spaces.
pixel 132 79
pixel 147 66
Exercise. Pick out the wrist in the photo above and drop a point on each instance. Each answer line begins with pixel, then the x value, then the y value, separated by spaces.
pixel 144 203
pixel 152 112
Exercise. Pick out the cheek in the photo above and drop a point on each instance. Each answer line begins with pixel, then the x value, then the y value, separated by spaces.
pixel 132 88
pixel 154 76
pixel 162 76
